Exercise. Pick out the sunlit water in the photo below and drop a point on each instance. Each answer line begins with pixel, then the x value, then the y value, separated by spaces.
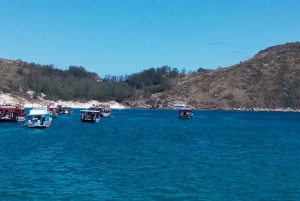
pixel 152 155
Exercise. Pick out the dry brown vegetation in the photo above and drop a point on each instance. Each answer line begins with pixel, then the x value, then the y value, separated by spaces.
pixel 270 79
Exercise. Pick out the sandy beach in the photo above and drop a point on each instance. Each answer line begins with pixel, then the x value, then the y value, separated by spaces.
pixel 4 97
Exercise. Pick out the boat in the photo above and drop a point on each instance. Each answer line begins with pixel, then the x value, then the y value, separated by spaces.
pixel 185 113
pixel 53 110
pixel 38 118
pixel 12 112
pixel 63 109
pixel 105 110
pixel 90 115
pixel 177 105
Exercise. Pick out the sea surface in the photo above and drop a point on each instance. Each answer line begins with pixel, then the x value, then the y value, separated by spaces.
pixel 152 155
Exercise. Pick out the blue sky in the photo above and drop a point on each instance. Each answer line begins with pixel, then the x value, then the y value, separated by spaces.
pixel 121 37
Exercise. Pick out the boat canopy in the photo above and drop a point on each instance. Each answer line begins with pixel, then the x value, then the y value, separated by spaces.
pixel 38 111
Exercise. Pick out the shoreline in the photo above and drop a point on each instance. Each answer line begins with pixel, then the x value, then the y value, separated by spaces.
pixel 4 97
pixel 76 105
pixel 73 104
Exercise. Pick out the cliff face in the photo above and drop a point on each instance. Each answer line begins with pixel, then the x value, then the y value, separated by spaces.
pixel 270 79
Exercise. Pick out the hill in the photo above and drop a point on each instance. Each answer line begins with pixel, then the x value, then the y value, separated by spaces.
pixel 36 81
pixel 270 79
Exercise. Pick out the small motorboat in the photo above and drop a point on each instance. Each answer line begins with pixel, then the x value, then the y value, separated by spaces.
pixel 90 115
pixel 38 118
pixel 185 113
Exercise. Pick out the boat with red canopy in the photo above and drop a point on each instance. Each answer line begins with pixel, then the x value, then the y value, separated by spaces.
pixel 12 112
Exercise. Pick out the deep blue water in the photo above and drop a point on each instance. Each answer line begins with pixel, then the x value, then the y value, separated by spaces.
pixel 152 155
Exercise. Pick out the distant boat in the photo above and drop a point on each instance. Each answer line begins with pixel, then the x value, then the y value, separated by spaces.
pixel 63 109
pixel 38 118
pixel 90 115
pixel 12 112
pixel 185 113
pixel 104 110
pixel 177 105
pixel 53 110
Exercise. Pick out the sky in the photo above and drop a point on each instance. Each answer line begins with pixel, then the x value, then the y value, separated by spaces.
pixel 122 37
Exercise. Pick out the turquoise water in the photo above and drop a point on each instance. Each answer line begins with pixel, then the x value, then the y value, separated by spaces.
pixel 152 155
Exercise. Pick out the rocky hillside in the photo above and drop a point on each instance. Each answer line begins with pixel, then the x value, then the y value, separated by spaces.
pixel 270 79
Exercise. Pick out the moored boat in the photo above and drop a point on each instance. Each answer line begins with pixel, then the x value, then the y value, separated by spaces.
pixel 38 118
pixel 185 113
pixel 104 110
pixel 177 105
pixel 53 110
pixel 12 112
pixel 63 109
pixel 90 115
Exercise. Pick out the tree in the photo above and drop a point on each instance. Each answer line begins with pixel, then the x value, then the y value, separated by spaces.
pixel 199 69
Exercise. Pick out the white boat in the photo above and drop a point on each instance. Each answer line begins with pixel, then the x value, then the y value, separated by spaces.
pixel 177 105
pixel 38 118
pixel 90 115
pixel 104 110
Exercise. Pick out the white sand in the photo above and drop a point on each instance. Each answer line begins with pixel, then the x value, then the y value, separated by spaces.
pixel 4 97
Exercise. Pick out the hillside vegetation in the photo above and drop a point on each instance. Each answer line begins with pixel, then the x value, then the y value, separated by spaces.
pixel 20 77
pixel 270 79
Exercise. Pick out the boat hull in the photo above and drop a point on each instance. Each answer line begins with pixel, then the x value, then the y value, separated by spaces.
pixel 55 115
pixel 17 119
pixel 44 124
pixel 184 117
pixel 90 120
pixel 105 114
pixel 65 112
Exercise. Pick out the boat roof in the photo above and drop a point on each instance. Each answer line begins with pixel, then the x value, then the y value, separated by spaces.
pixel 38 111
pixel 5 107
